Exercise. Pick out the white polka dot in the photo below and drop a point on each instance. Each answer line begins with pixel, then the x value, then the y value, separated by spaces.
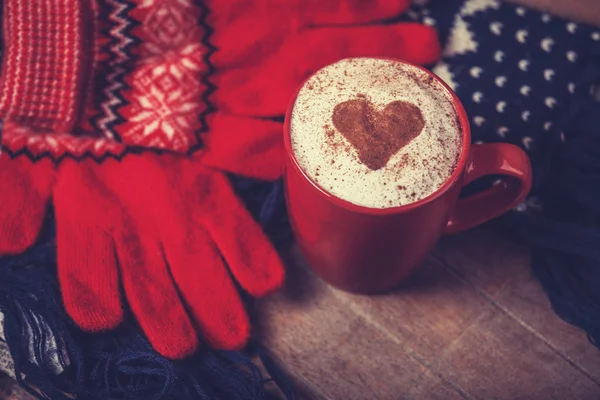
pixel 523 65
pixel 525 90
pixel 546 18
pixel 571 87
pixel 475 72
pixel 521 36
pixel 596 35
pixel 525 115
pixel 429 21
pixel 562 136
pixel 546 44
pixel 479 142
pixel 412 14
pixel 520 11
pixel 550 102
pixel 571 27
pixel 521 207
pixel 571 56
pixel 547 126
pixel 496 28
pixel 425 11
pixel 443 71
pixel 501 106
pixel 502 131
pixel 477 97
pixel 548 74
pixel 478 120
pixel 499 56
pixel 500 81
pixel 527 142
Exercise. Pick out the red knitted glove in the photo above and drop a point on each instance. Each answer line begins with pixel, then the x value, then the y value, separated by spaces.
pixel 267 48
pixel 161 224
pixel 25 187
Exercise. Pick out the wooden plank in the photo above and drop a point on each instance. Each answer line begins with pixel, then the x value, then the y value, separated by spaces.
pixel 486 258
pixel 499 359
pixel 500 268
pixel 330 348
pixel 431 387
pixel 529 304
pixel 426 314
pixel 348 346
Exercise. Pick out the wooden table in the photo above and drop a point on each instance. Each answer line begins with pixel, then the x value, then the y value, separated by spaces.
pixel 472 324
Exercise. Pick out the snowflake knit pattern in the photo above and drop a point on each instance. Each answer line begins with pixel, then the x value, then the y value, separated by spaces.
pixel 147 86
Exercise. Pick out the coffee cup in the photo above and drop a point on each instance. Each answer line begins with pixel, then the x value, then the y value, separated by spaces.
pixel 370 242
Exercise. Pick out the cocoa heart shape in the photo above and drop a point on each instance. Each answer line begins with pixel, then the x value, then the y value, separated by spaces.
pixel 377 135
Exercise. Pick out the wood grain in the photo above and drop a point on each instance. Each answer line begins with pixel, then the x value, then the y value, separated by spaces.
pixel 499 359
pixel 425 315
pixel 499 268
pixel 474 300
pixel 431 387
pixel 328 347
pixel 485 258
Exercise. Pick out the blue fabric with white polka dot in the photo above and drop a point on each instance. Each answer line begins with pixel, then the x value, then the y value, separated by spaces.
pixel 532 79
pixel 520 73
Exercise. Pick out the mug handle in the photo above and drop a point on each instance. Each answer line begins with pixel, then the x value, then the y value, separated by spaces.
pixel 491 159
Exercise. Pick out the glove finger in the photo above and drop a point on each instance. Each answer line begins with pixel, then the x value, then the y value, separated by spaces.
pixel 245 146
pixel 248 32
pixel 249 254
pixel 195 264
pixel 266 90
pixel 210 295
pixel 87 267
pixel 26 187
pixel 412 42
pixel 152 295
pixel 139 185
pixel 319 12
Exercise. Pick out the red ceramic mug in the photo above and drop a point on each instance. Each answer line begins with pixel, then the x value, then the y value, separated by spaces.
pixel 369 250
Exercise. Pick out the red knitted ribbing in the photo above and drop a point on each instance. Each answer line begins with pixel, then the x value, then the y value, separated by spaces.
pixel 43 63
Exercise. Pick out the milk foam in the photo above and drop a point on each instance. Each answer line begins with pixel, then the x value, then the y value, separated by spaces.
pixel 327 157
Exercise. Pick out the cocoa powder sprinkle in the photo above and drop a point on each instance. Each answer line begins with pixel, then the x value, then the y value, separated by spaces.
pixel 413 172
pixel 377 135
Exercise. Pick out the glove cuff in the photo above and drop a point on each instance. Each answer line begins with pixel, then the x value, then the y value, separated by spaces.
pixel 44 63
